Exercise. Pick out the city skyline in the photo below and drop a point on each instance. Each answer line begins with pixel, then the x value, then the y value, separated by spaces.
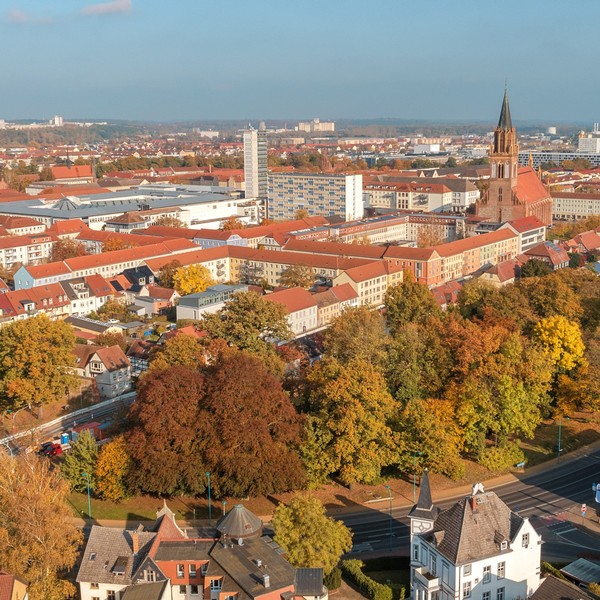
pixel 194 61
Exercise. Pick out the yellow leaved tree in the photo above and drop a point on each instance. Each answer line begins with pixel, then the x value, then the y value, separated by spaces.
pixel 192 279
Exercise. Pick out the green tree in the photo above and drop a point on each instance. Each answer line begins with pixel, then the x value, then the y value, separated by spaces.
pixel 297 276
pixel 309 537
pixel 535 268
pixel 82 458
pixel 250 323
pixel 35 362
pixel 183 350
pixel 113 309
pixel 409 302
pixel 352 403
pixel 112 470
pixel 192 279
pixel 357 333
pixel 38 539
pixel 550 295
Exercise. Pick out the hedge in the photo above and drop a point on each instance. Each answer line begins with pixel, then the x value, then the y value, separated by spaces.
pixel 376 591
pixel 333 580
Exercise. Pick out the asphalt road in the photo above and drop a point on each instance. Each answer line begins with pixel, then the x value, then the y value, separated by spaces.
pixel 541 497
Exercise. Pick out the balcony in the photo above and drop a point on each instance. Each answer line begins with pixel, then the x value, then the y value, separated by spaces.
pixel 426 579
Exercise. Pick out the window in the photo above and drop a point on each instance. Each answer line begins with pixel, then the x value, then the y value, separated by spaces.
pixel 500 593
pixel 416 552
pixel 467 570
pixel 149 575
pixel 487 574
pixel 466 589
pixel 111 595
pixel 486 595
pixel 525 540
pixel 182 590
pixel 180 571
pixel 94 586
pixel 433 564
pixel 501 570
pixel 194 590
pixel 192 569
pixel 215 585
pixel 445 573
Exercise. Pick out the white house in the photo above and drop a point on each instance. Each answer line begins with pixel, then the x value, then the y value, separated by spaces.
pixel 478 549
pixel 301 307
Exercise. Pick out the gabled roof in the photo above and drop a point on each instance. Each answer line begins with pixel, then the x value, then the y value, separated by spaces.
pixel 553 588
pixel 145 591
pixel 293 299
pixel 526 224
pixel 550 251
pixel 529 188
pixel 72 172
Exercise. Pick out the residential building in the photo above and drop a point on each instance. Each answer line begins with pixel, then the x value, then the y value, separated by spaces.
pixel 589 143
pixel 301 308
pixel 255 162
pixel 333 301
pixel 554 256
pixel 586 242
pixel 213 299
pixel 235 560
pixel 319 194
pixel 477 549
pixel 139 355
pixel 107 366
pixel 12 588
pixel 20 225
pixel 316 126
pixel 25 249
pixel 531 232
pixel 572 206
pixel 553 588
pixel 428 196
pixel 513 192
pixel 51 300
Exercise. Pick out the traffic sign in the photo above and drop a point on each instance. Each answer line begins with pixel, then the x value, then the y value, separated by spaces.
pixel 583 509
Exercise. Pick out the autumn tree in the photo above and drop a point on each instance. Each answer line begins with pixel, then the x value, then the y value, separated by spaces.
pixel 112 470
pixel 309 537
pixel 108 339
pixel 82 458
pixel 409 302
pixel 169 221
pixel 116 243
pixel 192 279
pixel 163 440
pixel 356 333
pixel 38 539
pixel 561 340
pixel 231 223
pixel 113 309
pixel 250 323
pixel 167 273
pixel 535 268
pixel 35 362
pixel 249 429
pixel 301 213
pixel 550 295
pixel 297 276
pixel 180 350
pixel 352 403
pixel 67 248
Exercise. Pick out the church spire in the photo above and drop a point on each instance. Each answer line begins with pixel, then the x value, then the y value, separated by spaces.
pixel 505 122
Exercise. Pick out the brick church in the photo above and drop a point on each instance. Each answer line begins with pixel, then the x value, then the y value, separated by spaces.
pixel 514 192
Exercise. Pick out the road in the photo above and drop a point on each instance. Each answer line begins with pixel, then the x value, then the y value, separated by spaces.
pixel 542 497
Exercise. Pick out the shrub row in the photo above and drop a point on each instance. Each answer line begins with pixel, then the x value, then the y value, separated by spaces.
pixel 333 580
pixel 376 591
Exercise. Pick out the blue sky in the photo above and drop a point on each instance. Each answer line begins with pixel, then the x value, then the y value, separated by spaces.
pixel 287 59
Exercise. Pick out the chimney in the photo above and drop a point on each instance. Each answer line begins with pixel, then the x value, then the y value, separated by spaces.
pixel 135 538
pixel 266 580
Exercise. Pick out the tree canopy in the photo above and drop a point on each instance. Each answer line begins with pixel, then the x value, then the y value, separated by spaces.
pixel 81 459
pixel 297 276
pixel 192 279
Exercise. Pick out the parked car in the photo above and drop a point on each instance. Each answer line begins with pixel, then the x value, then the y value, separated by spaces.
pixel 53 450
pixel 44 448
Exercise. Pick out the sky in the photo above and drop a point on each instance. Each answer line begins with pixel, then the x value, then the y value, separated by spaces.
pixel 195 60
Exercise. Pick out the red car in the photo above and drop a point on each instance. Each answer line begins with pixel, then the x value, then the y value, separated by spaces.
pixel 53 450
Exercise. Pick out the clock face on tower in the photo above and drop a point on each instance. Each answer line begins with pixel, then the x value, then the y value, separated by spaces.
pixel 418 526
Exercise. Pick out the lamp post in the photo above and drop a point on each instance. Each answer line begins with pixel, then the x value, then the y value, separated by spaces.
pixel 209 505
pixel 224 503
pixel 415 454
pixel 559 432
pixel 88 495
pixel 389 489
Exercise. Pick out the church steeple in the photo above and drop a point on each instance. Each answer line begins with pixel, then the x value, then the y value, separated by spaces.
pixel 505 122
pixel 504 151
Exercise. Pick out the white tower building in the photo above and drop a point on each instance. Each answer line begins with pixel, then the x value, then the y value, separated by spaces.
pixel 255 162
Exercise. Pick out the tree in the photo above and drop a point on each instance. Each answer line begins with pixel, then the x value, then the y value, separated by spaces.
pixel 169 221
pixel 112 339
pixel 231 223
pixel 112 470
pixel 38 540
pixel 352 403
pixel 35 362
pixel 357 333
pixel 409 302
pixel 116 243
pixel 309 537
pixel 250 323
pixel 166 274
pixel 81 459
pixel 535 268
pixel 550 295
pixel 192 279
pixel 249 429
pixel 182 350
pixel 67 248
pixel 113 309
pixel 301 213
pixel 163 439
pixel 297 276
pixel 576 260
pixel 561 340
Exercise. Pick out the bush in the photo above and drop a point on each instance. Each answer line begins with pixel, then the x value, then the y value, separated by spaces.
pixel 552 570
pixel 376 591
pixel 333 580
pixel 502 457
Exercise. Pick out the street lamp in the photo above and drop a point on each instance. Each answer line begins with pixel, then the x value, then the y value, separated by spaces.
pixel 88 494
pixel 209 506
pixel 560 423
pixel 224 503
pixel 415 454
pixel 389 489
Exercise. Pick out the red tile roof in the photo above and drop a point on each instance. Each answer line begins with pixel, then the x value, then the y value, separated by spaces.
pixel 476 241
pixel 294 299
pixel 72 172
pixel 526 224
pixel 529 187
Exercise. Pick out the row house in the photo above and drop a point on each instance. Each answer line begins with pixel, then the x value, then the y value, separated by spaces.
pixel 95 241
pixel 216 260
pixel 106 264
pixel 574 206
pixel 20 225
pixel 25 249
pixel 51 300
pixel 332 302
pixel 235 560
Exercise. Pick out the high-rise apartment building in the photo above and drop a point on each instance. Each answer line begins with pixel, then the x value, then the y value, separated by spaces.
pixel 319 194
pixel 255 162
